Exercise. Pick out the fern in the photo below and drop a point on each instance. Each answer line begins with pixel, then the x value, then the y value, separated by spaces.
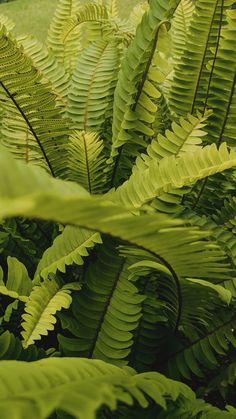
pixel 44 301
pixel 135 94
pixel 86 161
pixel 44 122
pixel 203 352
pixel 68 248
pixel 66 51
pixel 115 314
pixel 158 178
pixel 91 92
pixel 18 284
pixel 77 378
pixel 180 27
pixel 222 89
pixel 204 33
pixel 141 275
pixel 11 349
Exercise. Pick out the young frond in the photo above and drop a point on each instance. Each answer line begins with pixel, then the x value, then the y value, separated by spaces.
pixel 66 50
pixel 71 246
pixel 86 160
pixel 180 27
pixel 90 96
pixel 44 302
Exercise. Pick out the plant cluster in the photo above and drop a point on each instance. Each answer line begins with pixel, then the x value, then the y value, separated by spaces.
pixel 118 213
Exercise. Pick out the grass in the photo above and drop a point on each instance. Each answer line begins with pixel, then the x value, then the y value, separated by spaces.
pixel 34 16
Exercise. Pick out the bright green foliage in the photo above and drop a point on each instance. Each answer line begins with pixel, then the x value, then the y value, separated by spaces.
pixel 86 160
pixel 90 97
pixel 119 251
pixel 44 301
pixel 80 378
pixel 18 285
pixel 64 50
pixel 201 46
pixel 68 248
pixel 38 112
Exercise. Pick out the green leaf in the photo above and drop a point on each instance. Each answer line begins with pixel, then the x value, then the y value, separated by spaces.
pixel 71 246
pixel 43 303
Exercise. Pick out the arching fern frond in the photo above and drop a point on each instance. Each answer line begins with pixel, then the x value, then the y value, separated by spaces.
pixel 65 50
pixel 222 93
pixel 91 94
pixel 89 12
pixel 48 66
pixel 37 112
pixel 185 137
pixel 106 312
pixel 80 387
pixel 68 248
pixel 162 236
pixel 136 91
pixel 86 160
pixel 180 26
pixel 18 284
pixel 43 303
pixel 11 348
pixel 205 351
pixel 173 173
pixel 191 72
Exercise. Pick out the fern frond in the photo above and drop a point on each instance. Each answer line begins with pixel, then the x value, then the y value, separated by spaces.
pixel 86 161
pixel 68 248
pixel 106 312
pixel 90 12
pixel 137 13
pixel 7 22
pixel 222 91
pixel 66 50
pixel 146 337
pixel 48 66
pixel 44 301
pixel 185 137
pixel 136 91
pixel 38 112
pixel 205 351
pixel 163 237
pixel 18 284
pixel 11 348
pixel 173 173
pixel 112 8
pixel 80 387
pixel 91 93
pixel 201 46
pixel 180 26
pixel 227 215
